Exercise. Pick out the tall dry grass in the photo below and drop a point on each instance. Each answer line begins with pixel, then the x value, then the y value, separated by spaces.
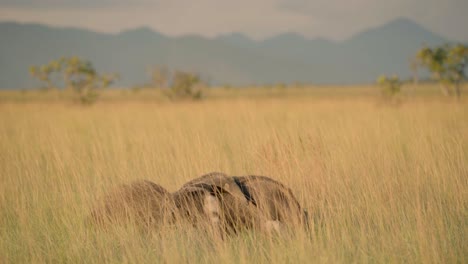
pixel 382 183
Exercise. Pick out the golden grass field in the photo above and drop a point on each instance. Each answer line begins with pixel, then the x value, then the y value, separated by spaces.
pixel 383 183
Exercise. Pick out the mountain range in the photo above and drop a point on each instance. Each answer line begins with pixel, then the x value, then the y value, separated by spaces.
pixel 232 59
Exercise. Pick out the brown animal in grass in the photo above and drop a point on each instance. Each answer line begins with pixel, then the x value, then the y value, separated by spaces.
pixel 226 204
pixel 211 197
pixel 237 201
pixel 197 202
pixel 148 204
pixel 143 202
pixel 197 206
pixel 276 201
pixel 218 181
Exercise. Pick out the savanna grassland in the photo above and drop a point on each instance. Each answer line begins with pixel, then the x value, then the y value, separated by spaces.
pixel 383 182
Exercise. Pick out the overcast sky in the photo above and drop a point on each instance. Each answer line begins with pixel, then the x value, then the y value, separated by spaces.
pixel 331 19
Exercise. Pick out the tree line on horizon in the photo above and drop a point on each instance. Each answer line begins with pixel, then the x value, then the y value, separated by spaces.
pixel 79 75
pixel 446 63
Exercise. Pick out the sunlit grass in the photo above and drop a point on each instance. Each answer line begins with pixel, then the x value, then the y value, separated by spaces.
pixel 382 183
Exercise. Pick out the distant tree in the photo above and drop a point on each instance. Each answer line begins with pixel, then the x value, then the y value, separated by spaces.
pixel 456 63
pixel 447 64
pixel 391 87
pixel 186 85
pixel 78 75
pixel 160 76
pixel 81 77
pixel 44 72
pixel 108 79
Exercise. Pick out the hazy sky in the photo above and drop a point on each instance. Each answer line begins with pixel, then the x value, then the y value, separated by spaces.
pixel 257 18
